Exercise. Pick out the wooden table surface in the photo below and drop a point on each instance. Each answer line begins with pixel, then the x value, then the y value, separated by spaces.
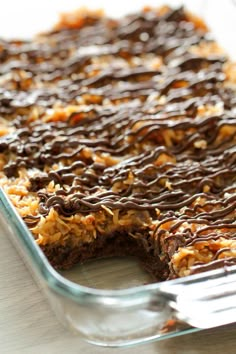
pixel 27 324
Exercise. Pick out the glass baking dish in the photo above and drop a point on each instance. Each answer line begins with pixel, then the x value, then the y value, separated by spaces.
pixel 107 301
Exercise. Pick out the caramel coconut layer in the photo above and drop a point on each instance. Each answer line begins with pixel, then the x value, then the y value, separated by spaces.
pixel 118 137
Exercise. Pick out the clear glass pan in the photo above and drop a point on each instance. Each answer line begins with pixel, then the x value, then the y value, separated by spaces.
pixel 140 313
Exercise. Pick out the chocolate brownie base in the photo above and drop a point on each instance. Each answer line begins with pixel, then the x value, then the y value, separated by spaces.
pixel 116 245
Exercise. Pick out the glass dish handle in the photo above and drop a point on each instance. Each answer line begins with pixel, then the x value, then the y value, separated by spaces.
pixel 207 301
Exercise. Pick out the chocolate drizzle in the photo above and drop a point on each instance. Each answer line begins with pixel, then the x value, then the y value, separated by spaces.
pixel 138 140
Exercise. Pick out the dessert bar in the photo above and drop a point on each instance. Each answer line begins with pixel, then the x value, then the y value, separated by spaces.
pixel 117 137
